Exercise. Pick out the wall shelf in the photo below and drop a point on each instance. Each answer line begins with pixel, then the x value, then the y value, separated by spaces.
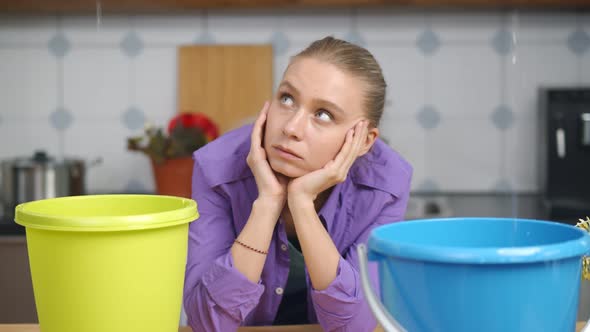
pixel 179 6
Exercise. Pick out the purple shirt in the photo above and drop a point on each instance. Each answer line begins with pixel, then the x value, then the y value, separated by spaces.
pixel 217 297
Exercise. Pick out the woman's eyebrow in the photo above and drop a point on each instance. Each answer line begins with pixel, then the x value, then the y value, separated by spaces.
pixel 329 104
pixel 289 86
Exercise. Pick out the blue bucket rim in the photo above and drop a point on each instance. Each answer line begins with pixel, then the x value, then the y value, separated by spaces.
pixel 487 255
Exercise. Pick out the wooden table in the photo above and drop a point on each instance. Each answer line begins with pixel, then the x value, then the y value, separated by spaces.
pixel 292 328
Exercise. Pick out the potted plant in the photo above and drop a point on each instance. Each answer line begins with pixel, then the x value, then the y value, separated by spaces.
pixel 585 224
pixel 170 152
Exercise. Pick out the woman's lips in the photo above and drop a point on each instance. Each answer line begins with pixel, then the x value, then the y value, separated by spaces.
pixel 286 153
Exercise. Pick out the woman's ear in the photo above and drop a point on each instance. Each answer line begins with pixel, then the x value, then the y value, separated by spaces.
pixel 372 135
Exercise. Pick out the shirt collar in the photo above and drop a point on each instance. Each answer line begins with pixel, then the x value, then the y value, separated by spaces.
pixel 381 169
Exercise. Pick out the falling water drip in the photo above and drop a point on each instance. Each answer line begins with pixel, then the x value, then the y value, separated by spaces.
pixel 514 35
pixel 98 14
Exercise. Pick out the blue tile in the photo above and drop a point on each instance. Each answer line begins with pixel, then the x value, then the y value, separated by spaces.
pixel 135 186
pixel 205 38
pixel 280 43
pixel 353 36
pixel 503 186
pixel 502 117
pixel 131 45
pixel 428 185
pixel 579 42
pixel 59 45
pixel 502 42
pixel 428 117
pixel 428 42
pixel 61 119
pixel 133 118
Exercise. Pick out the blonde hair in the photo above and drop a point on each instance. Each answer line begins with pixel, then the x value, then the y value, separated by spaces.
pixel 354 60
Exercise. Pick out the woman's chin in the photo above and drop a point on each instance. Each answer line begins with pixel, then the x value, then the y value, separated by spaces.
pixel 286 169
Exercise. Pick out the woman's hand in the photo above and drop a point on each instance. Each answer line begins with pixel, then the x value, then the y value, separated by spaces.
pixel 271 186
pixel 307 187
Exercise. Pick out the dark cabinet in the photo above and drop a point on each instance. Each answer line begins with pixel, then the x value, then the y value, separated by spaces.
pixel 17 303
pixel 161 6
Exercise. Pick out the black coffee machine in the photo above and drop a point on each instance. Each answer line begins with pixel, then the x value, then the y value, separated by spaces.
pixel 564 133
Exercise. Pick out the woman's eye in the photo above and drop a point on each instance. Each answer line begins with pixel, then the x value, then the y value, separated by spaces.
pixel 324 115
pixel 287 100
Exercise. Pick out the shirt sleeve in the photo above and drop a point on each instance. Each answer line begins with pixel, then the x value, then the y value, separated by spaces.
pixel 217 297
pixel 342 305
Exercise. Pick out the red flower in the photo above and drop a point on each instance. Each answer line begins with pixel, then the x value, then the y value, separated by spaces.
pixel 195 120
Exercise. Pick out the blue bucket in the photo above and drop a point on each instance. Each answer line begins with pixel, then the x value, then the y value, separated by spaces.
pixel 476 274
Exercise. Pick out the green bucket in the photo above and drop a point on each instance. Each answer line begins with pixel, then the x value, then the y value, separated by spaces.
pixel 108 262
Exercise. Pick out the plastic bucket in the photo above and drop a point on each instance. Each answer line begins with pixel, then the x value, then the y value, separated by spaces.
pixel 476 274
pixel 108 262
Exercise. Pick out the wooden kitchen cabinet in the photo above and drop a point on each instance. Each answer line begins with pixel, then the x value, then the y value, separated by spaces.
pixel 17 303
pixel 161 6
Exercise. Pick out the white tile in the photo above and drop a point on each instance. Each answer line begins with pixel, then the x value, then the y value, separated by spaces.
pixel 305 25
pixel 28 88
pixel 403 69
pixel 280 64
pixel 88 30
pixel 390 24
pixel 465 80
pixel 296 46
pixel 17 29
pixel 465 26
pixel 240 27
pixel 521 153
pixel 549 65
pixel 585 69
pixel 23 138
pixel 544 26
pixel 408 139
pixel 168 29
pixel 96 84
pixel 155 83
pixel 463 154
pixel 107 140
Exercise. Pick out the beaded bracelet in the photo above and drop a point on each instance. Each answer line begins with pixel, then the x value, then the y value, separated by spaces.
pixel 248 247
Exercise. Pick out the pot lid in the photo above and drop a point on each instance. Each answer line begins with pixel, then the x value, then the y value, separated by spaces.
pixel 39 158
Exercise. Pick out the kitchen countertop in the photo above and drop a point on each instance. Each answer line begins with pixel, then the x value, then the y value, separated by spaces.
pixel 286 328
pixel 293 328
pixel 9 227
pixel 428 205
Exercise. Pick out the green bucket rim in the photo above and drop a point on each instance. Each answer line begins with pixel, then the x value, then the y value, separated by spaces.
pixel 25 215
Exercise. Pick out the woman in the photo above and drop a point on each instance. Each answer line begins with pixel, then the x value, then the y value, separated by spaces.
pixel 284 202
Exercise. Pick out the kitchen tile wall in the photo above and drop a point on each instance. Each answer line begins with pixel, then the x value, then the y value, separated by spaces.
pixel 461 100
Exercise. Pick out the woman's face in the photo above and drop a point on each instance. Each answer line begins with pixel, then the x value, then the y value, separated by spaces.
pixel 315 105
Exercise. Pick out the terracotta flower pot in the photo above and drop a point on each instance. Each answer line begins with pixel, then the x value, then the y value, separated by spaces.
pixel 174 177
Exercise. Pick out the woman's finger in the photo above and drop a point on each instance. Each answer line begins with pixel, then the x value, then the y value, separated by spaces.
pixel 360 136
pixel 346 148
pixel 355 146
pixel 256 137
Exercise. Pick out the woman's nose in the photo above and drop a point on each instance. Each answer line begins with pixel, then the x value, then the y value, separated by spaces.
pixel 295 125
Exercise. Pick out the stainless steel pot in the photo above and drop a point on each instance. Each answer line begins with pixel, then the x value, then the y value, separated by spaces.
pixel 27 179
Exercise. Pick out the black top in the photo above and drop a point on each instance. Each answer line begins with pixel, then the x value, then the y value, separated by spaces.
pixel 293 307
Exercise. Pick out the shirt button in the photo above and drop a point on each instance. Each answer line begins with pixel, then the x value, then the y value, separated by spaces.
pixel 283 247
pixel 279 291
